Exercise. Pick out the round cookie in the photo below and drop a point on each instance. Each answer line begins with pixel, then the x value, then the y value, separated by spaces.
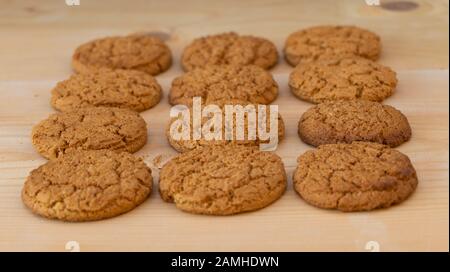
pixel 324 42
pixel 90 129
pixel 229 48
pixel 223 180
pixel 187 145
pixel 215 82
pixel 342 79
pixel 119 88
pixel 87 185
pixel 145 53
pixel 360 176
pixel 353 120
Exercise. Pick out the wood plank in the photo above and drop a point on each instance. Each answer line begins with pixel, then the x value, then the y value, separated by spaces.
pixel 420 223
pixel 39 37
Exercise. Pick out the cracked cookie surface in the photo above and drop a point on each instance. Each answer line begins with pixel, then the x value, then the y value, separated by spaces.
pixel 360 176
pixel 90 129
pixel 217 82
pixel 324 42
pixel 87 185
pixel 134 52
pixel 119 88
pixel 223 180
pixel 229 48
pixel 354 120
pixel 186 145
pixel 342 79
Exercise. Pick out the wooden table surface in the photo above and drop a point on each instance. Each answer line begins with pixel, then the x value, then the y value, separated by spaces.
pixel 38 38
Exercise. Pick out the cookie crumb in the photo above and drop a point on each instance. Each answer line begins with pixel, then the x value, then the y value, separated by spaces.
pixel 157 161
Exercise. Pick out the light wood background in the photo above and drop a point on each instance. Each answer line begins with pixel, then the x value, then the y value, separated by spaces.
pixel 37 39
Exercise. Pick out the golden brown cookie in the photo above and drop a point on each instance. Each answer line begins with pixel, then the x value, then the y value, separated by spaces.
pixel 87 185
pixel 223 180
pixel 229 48
pixel 144 53
pixel 220 82
pixel 324 42
pixel 89 129
pixel 360 176
pixel 187 145
pixel 120 88
pixel 342 79
pixel 354 120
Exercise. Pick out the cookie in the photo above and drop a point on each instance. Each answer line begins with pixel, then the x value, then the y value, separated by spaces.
pixel 324 42
pixel 187 145
pixel 87 185
pixel 354 120
pixel 133 90
pixel 342 79
pixel 144 53
pixel 229 48
pixel 360 176
pixel 223 180
pixel 89 129
pixel 215 82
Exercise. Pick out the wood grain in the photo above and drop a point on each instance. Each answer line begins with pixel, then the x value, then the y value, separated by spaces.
pixel 38 34
pixel 37 42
